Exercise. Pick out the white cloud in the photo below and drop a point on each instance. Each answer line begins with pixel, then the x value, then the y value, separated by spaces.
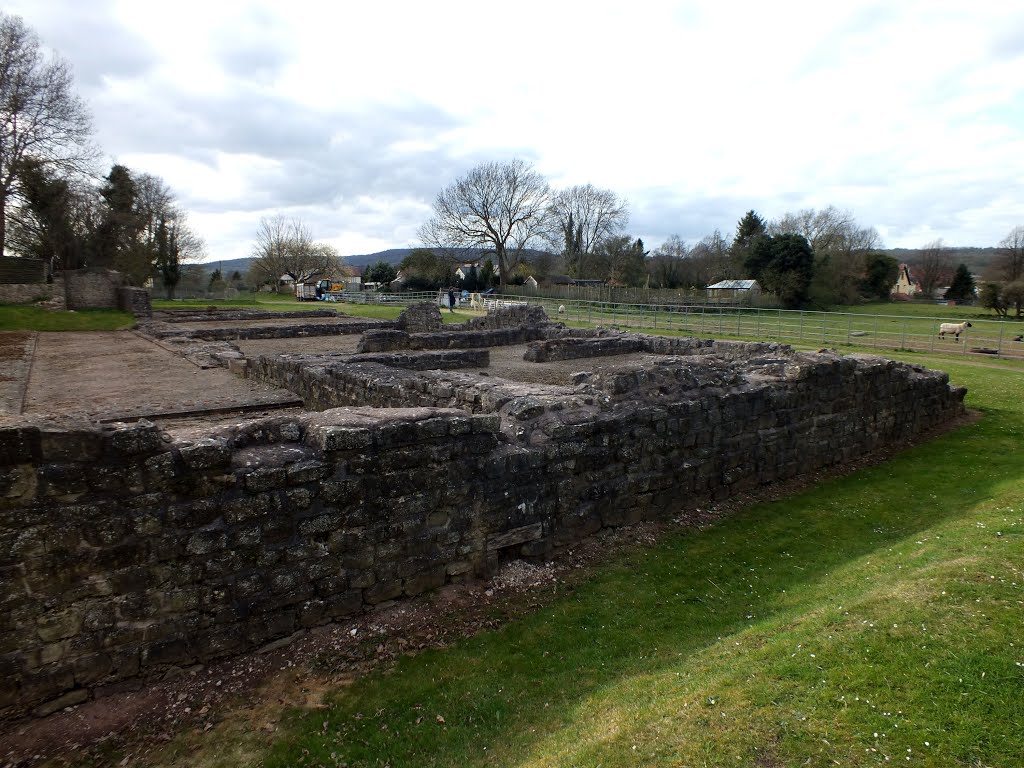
pixel 907 114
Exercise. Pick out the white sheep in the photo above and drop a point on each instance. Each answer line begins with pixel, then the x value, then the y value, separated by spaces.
pixel 476 301
pixel 955 328
pixel 561 309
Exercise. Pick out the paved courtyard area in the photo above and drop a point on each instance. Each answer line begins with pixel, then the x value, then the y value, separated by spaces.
pixel 117 375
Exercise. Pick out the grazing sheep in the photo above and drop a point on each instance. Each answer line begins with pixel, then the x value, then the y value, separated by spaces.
pixel 561 309
pixel 1018 338
pixel 955 328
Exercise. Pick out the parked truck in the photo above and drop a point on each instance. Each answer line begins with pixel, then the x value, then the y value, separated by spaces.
pixel 322 290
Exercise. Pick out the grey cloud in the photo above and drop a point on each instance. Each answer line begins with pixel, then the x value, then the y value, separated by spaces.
pixel 251 46
pixel 96 44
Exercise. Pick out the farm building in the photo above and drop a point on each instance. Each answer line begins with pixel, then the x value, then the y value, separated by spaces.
pixel 732 291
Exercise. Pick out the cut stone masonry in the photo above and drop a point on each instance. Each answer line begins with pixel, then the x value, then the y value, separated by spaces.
pixel 125 552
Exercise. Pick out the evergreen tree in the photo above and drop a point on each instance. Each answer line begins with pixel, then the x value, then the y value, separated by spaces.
pixel 168 261
pixel 749 230
pixel 784 265
pixel 880 273
pixel 962 287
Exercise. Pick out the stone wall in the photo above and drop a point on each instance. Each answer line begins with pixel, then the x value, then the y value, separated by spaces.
pixel 92 288
pixel 134 300
pixel 124 553
pixel 18 271
pixel 27 293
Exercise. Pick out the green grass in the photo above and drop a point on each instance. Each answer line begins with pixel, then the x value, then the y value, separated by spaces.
pixel 875 616
pixel 21 317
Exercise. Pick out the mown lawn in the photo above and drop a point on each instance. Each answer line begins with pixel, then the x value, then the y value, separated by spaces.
pixel 876 617
pixel 25 317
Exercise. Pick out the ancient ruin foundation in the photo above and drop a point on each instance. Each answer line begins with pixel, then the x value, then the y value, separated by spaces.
pixel 424 454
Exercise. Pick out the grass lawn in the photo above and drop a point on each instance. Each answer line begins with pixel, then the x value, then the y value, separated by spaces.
pixel 26 317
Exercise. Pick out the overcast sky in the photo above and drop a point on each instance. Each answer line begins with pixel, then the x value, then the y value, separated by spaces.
pixel 352 116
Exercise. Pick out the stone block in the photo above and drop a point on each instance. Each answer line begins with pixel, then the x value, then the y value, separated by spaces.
pixel 205 454
pixel 70 699
pixel 58 625
pixel 19 445
pixel 140 439
pixel 70 445
pixel 382 591
pixel 337 438
pixel 424 581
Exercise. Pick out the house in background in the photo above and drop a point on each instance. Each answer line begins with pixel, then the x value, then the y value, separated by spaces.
pixel 733 291
pixel 463 271
pixel 905 286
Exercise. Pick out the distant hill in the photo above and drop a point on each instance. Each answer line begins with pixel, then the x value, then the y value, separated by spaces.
pixel 393 256
pixel 976 259
pixel 226 266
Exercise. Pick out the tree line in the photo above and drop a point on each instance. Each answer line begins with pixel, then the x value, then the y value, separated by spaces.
pixel 54 203
pixel 511 212
pixel 824 257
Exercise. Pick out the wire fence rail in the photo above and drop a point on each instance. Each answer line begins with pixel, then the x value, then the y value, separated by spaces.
pixel 826 329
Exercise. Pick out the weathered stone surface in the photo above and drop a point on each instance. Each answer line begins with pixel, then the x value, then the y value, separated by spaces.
pixel 122 553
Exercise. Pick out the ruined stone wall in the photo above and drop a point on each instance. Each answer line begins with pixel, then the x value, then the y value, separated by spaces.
pixel 135 300
pixel 27 293
pixel 92 288
pixel 123 553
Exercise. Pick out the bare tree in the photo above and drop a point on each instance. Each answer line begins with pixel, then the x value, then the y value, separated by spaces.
pixel 1010 260
pixel 840 248
pixel 933 266
pixel 40 115
pixel 285 246
pixel 666 264
pixel 712 261
pixel 585 217
pixel 501 207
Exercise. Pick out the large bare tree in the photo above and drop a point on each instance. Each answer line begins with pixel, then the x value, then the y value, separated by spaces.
pixel 500 207
pixel 1010 259
pixel 285 246
pixel 933 266
pixel 585 217
pixel 41 117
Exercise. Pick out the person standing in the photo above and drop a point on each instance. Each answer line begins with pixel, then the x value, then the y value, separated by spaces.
pixel 451 300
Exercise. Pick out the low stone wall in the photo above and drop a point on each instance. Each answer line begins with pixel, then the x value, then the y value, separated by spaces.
pixel 572 349
pixel 27 293
pixel 124 553
pixel 423 317
pixel 158 331
pixel 134 300
pixel 385 340
pixel 215 315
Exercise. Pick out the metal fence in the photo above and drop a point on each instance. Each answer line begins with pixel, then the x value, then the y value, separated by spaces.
pixel 825 329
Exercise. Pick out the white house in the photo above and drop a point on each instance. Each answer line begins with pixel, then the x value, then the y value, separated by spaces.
pixel 463 271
